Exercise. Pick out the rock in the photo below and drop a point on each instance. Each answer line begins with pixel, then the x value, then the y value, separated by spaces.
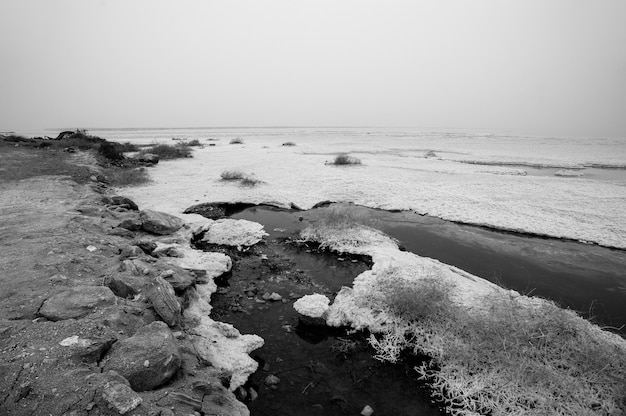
pixel 167 250
pixel 122 201
pixel 367 411
pixel 180 279
pixel 271 380
pixel 130 251
pixel 131 224
pixel 148 158
pixel 127 285
pixel 153 342
pixel 275 297
pixel 207 210
pixel 93 350
pixel 223 402
pixel 136 267
pixel 120 397
pixel 147 246
pixel 122 232
pixel 77 302
pixel 236 233
pixel 159 223
pixel 164 302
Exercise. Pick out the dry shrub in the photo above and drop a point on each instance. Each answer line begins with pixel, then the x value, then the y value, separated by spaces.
pixel 236 141
pixel 232 175
pixel 524 356
pixel 250 181
pixel 128 177
pixel 345 159
pixel 166 151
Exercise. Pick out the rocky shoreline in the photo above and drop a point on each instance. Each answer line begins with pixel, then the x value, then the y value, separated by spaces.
pixel 105 307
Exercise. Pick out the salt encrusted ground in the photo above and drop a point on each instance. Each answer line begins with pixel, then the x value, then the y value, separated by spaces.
pixel 495 196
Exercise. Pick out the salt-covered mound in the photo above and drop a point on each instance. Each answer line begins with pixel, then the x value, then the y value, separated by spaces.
pixel 236 233
pixel 493 351
pixel 219 343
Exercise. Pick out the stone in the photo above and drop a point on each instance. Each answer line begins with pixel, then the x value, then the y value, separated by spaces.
pixel 207 210
pixel 93 350
pixel 236 233
pixel 127 285
pixel 275 297
pixel 367 411
pixel 147 246
pixel 122 201
pixel 179 279
pixel 130 251
pixel 159 223
pixel 131 224
pixel 120 397
pixel 76 302
pixel 148 158
pixel 164 302
pixel 122 232
pixel 153 342
pixel 223 402
pixel 271 380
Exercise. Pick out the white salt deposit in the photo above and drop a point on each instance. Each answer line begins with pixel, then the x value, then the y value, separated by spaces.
pixel 313 306
pixel 396 174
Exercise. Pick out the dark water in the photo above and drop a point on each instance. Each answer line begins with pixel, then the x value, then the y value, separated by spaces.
pixel 586 278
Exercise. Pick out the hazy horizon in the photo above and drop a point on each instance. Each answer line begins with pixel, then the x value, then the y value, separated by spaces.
pixel 554 68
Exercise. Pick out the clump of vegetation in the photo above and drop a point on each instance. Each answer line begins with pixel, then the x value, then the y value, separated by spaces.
pixel 237 175
pixel 128 177
pixel 236 141
pixel 232 175
pixel 111 151
pixel 430 154
pixel 514 355
pixel 166 151
pixel 345 159
pixel 250 181
pixel 289 144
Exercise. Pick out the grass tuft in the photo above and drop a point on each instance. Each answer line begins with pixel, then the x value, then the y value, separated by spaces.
pixel 250 181
pixel 345 159
pixel 166 151
pixel 232 175
pixel 128 177
pixel 236 141
pixel 289 144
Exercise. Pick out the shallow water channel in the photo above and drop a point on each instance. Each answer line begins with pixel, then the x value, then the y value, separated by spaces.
pixel 333 373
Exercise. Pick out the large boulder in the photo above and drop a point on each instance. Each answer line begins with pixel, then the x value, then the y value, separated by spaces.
pixel 164 301
pixel 77 302
pixel 159 222
pixel 148 359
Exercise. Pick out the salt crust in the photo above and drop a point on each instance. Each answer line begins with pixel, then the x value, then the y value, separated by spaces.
pixel 237 233
pixel 313 306
pixel 576 208
pixel 219 343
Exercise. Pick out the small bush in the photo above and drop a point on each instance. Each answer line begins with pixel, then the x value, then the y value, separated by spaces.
pixel 166 151
pixel 345 159
pixel 430 154
pixel 250 181
pixel 289 144
pixel 127 147
pixel 194 143
pixel 111 151
pixel 128 177
pixel 232 175
pixel 236 141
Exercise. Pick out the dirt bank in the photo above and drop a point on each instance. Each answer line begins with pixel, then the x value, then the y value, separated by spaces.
pixel 59 234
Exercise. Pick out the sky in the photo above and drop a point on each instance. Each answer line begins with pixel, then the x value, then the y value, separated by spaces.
pixel 553 66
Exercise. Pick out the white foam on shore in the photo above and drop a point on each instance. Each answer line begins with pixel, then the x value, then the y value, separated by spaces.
pixel 396 175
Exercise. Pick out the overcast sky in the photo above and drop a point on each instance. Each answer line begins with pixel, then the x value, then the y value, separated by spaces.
pixel 545 65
